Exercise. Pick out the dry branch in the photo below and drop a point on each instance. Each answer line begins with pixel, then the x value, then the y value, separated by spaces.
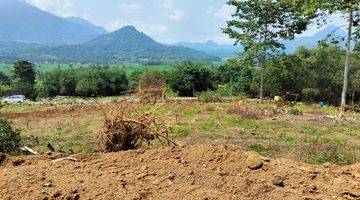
pixel 126 128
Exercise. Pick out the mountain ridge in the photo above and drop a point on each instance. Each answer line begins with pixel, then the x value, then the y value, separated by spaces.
pixel 225 51
pixel 124 45
pixel 22 22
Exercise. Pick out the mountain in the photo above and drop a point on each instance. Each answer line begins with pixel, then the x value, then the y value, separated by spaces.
pixel 22 22
pixel 99 30
pixel 11 46
pixel 228 51
pixel 212 48
pixel 124 45
pixel 328 33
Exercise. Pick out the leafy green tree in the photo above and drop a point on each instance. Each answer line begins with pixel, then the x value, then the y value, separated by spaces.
pixel 286 73
pixel 67 82
pixel 87 88
pixel 350 9
pixel 190 78
pixel 24 78
pixel 9 138
pixel 239 76
pixel 259 25
pixel 4 79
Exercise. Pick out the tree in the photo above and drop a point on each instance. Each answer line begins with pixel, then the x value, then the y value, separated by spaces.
pixel 24 78
pixel 9 138
pixel 349 10
pixel 189 78
pixel 259 25
pixel 4 79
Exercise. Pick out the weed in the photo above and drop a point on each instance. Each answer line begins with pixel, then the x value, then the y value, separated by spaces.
pixel 295 111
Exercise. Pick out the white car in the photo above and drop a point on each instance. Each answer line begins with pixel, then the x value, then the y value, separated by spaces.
pixel 14 99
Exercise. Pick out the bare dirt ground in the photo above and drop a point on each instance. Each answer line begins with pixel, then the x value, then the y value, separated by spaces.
pixel 194 172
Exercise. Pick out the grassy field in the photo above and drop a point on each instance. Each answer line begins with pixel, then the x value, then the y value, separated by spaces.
pixel 6 68
pixel 313 137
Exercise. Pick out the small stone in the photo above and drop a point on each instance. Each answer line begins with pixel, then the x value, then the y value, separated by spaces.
pixel 279 182
pixel 171 176
pixel 223 147
pixel 56 194
pixel 74 191
pixel 76 197
pixel 48 184
pixel 18 162
pixel 327 165
pixel 254 162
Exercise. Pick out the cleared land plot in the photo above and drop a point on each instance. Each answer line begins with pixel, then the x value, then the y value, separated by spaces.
pixel 313 137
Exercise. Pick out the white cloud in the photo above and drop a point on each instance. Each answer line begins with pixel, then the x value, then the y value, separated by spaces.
pixel 225 12
pixel 130 8
pixel 170 10
pixel 62 8
pixel 154 30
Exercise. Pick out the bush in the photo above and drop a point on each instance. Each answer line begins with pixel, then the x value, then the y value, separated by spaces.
pixel 310 94
pixel 190 78
pixel 9 138
pixel 209 96
pixel 295 111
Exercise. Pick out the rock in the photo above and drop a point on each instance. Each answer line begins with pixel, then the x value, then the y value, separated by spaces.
pixel 48 184
pixel 350 196
pixel 327 165
pixel 254 162
pixel 223 147
pixel 2 158
pixel 56 194
pixel 171 176
pixel 76 197
pixel 279 181
pixel 18 162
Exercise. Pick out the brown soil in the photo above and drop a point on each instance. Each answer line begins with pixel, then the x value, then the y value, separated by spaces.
pixel 196 172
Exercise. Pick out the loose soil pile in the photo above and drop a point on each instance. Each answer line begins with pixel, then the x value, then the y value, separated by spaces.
pixel 196 172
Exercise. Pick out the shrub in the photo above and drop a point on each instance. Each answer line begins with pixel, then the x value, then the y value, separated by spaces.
pixel 209 96
pixel 295 111
pixel 189 78
pixel 310 94
pixel 9 138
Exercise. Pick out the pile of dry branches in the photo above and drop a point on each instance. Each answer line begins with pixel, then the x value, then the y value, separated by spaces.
pixel 127 128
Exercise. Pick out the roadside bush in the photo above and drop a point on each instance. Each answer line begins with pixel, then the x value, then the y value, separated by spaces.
pixel 9 138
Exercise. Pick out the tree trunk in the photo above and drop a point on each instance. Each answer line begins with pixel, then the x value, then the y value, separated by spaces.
pixel 262 78
pixel 347 59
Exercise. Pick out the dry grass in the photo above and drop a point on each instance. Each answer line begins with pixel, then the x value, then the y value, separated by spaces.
pixel 246 112
pixel 127 128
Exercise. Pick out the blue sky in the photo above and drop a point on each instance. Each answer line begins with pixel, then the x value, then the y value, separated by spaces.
pixel 167 21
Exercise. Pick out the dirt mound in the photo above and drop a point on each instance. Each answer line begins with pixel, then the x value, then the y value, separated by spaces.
pixel 196 172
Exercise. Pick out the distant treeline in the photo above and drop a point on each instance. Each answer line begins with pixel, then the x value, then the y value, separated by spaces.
pixel 315 75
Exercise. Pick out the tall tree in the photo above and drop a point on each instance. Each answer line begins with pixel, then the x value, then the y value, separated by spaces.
pixel 258 25
pixel 350 10
pixel 24 78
